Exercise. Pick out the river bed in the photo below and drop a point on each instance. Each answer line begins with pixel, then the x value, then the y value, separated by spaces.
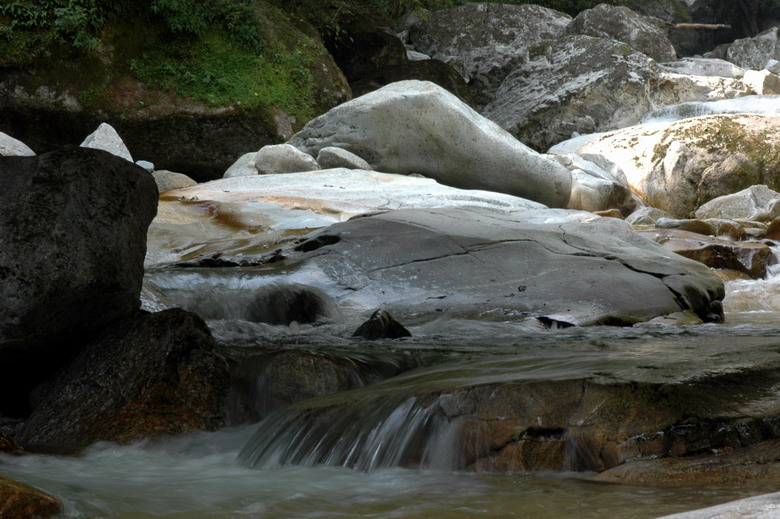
pixel 201 476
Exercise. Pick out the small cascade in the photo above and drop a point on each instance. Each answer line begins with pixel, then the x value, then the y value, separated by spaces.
pixel 366 435
pixel 756 295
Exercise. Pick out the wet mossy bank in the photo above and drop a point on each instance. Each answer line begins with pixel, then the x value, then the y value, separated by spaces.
pixel 186 102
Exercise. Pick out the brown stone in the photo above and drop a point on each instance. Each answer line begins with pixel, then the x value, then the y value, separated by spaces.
pixel 748 257
pixel 20 501
pixel 8 444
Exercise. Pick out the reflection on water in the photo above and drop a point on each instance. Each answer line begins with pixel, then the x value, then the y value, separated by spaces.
pixel 198 477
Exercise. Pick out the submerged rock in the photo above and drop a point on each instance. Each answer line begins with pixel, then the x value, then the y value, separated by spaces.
pixel 147 375
pixel 528 413
pixel 73 234
pixel 381 325
pixel 21 501
pixel 562 266
pixel 418 127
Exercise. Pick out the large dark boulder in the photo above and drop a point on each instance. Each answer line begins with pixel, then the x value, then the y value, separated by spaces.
pixel 18 500
pixel 150 374
pixel 73 240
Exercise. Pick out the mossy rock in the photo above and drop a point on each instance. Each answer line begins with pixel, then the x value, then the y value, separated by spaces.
pixel 186 103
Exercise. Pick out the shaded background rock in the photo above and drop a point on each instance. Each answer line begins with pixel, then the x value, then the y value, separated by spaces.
pixel 147 375
pixel 73 235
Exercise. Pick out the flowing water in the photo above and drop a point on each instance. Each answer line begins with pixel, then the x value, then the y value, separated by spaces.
pixel 393 456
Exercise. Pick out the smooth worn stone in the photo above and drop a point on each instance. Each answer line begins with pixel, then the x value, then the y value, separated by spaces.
pixel 475 263
pixel 728 229
pixel 646 216
pixel 418 127
pixel 242 219
pixel 681 165
pixel 748 257
pixel 757 202
pixel 72 245
pixel 148 166
pixel 20 501
pixel 169 180
pixel 484 40
pixel 107 139
pixel 381 325
pixel 147 375
pixel 595 189
pixel 704 67
pixel 690 225
pixel 752 464
pixel 765 506
pixel 244 166
pixel 773 232
pixel 10 147
pixel 524 413
pixel 332 157
pixel 642 33
pixel 265 383
pixel 283 158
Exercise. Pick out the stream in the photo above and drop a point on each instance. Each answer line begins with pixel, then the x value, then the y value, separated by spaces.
pixel 245 471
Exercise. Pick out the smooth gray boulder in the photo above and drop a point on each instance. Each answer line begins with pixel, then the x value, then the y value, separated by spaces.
pixel 170 180
pixel 704 67
pixel 595 189
pixel 484 40
pixel 332 157
pixel 10 147
pixel 244 166
pixel 555 265
pixel 756 203
pixel 755 53
pixel 72 245
pixel 283 158
pixel 646 216
pixel 106 138
pixel 765 506
pixel 418 127
pixel 642 33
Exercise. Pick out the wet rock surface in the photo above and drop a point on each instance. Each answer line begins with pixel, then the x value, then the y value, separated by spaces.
pixel 147 375
pixel 19 501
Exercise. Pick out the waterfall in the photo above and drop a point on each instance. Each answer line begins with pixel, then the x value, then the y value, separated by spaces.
pixel 365 435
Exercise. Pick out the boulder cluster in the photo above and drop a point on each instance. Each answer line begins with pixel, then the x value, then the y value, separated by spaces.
pixel 580 174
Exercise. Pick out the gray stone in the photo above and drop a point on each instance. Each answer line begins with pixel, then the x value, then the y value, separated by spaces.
pixel 679 166
pixel 645 216
pixel 594 189
pixel 765 506
pixel 283 158
pixel 381 325
pixel 642 33
pixel 757 203
pixel 243 167
pixel 106 138
pixel 577 84
pixel 332 157
pixel 484 40
pixel 755 53
pixel 563 266
pixel 10 147
pixel 704 67
pixel 73 238
pixel 169 180
pixel 418 127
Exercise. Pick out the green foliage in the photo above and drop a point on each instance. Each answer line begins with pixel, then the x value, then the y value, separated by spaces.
pixel 29 28
pixel 214 70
